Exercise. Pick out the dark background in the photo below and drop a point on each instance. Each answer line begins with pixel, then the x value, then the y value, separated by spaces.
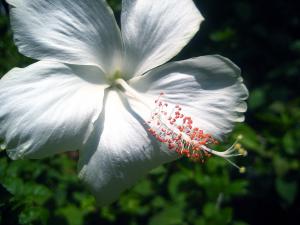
pixel 263 38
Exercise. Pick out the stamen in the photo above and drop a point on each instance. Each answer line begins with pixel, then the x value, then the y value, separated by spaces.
pixel 176 130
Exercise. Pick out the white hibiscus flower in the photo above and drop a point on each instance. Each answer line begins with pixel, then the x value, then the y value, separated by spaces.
pixel 95 86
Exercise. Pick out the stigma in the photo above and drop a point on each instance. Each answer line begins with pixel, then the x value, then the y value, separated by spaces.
pixel 170 126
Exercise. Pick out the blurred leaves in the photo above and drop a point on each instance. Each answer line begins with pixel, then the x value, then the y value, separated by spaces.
pixel 287 190
pixel 224 35
pixel 172 215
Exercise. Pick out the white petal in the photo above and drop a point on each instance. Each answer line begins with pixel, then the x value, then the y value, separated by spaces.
pixel 155 31
pixel 119 152
pixel 48 108
pixel 209 89
pixel 77 32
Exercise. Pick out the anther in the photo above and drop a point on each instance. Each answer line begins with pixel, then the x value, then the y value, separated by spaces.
pixel 2 147
pixel 242 169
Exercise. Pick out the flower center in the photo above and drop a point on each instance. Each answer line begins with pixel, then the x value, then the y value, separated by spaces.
pixel 177 131
pixel 112 79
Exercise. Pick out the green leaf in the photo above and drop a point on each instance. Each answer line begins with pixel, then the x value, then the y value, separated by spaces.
pixel 175 184
pixel 108 214
pixel 257 98
pixel 172 215
pixel 73 214
pixel 223 35
pixel 209 210
pixel 158 170
pixel 295 46
pixel 217 215
pixel 281 165
pixel 143 188
pixel 289 143
pixel 33 214
pixel 13 185
pixel 287 190
pixel 237 187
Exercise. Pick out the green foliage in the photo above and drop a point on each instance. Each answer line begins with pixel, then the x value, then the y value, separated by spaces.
pixel 186 193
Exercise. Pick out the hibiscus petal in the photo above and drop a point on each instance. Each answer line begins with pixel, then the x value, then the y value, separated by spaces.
pixel 119 152
pixel 48 108
pixel 209 89
pixel 77 32
pixel 155 31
